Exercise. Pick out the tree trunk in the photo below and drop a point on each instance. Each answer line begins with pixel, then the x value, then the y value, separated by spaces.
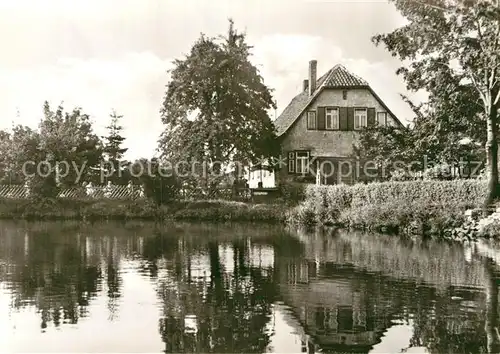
pixel 492 157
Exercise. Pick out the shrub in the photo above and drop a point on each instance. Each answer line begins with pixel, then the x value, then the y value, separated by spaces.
pixel 43 187
pixel 159 185
pixel 428 206
pixel 292 192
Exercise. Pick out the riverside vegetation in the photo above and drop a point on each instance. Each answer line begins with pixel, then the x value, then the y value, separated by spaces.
pixel 429 208
pixel 442 209
pixel 145 209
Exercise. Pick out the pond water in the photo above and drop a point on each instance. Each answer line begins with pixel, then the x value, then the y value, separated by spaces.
pixel 69 287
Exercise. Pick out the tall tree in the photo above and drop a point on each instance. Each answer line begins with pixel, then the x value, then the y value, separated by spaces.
pixel 216 105
pixel 69 137
pixel 442 134
pixel 113 149
pixel 5 140
pixel 386 146
pixel 17 148
pixel 453 45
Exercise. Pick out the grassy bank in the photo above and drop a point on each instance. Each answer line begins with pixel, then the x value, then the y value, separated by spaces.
pixel 211 210
pixel 421 207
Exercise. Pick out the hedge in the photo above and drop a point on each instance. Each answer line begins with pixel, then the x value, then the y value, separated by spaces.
pixel 393 205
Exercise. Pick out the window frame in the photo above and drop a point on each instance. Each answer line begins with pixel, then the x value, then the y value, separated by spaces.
pixel 360 126
pixel 299 161
pixel 332 109
pixel 291 162
pixel 315 120
pixel 385 119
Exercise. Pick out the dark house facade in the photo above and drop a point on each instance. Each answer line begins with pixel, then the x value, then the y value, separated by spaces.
pixel 320 126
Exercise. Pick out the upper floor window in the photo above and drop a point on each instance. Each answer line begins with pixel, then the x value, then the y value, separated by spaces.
pixel 360 118
pixel 344 94
pixel 311 120
pixel 382 119
pixel 332 121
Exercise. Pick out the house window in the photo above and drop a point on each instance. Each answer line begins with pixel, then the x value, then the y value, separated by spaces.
pixel 382 119
pixel 311 120
pixel 291 162
pixel 344 94
pixel 345 319
pixel 302 162
pixel 332 119
pixel 360 118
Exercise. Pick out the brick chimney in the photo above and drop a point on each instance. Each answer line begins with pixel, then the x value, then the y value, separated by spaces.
pixel 313 65
pixel 305 87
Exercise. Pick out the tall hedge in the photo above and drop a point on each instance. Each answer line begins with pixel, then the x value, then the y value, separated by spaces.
pixel 389 203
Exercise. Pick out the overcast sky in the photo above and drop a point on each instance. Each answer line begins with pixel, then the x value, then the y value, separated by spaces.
pixel 103 55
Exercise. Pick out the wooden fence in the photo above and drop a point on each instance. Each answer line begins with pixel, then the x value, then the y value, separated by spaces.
pixel 120 192
pixel 94 192
pixel 13 192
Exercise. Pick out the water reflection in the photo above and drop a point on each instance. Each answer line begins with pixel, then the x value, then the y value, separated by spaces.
pixel 199 288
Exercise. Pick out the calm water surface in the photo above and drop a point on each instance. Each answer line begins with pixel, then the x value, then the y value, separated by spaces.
pixel 200 288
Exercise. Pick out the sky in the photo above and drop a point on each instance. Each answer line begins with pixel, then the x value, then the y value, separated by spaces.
pixel 104 55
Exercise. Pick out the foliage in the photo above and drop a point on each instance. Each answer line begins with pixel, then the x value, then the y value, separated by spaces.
pixel 141 209
pixel 69 137
pixel 430 143
pixel 431 205
pixel 62 138
pixel 113 151
pixel 292 192
pixel 160 184
pixel 452 50
pixel 16 149
pixel 216 106
pixel 386 146
pixel 223 210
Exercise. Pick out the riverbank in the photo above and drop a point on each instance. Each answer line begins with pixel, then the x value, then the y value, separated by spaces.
pixel 94 210
pixel 421 208
pixel 427 208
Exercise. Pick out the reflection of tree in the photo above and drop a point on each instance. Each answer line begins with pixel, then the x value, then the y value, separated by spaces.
pixel 491 323
pixel 426 283
pixel 216 297
pixel 231 311
pixel 54 275
pixel 113 279
pixel 443 325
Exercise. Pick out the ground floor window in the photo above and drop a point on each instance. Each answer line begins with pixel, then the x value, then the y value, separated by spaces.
pixel 298 162
pixel 302 162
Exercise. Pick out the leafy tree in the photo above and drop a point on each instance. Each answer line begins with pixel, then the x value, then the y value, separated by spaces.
pixel 386 146
pixel 69 137
pixel 453 47
pixel 5 141
pixel 16 149
pixel 216 106
pixel 439 136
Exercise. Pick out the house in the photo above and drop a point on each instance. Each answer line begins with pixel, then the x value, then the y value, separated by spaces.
pixel 261 177
pixel 320 126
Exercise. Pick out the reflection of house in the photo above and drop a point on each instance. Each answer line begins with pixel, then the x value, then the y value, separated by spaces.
pixel 346 291
pixel 335 311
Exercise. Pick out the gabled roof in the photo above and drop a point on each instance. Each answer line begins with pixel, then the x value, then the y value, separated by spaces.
pixel 336 77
